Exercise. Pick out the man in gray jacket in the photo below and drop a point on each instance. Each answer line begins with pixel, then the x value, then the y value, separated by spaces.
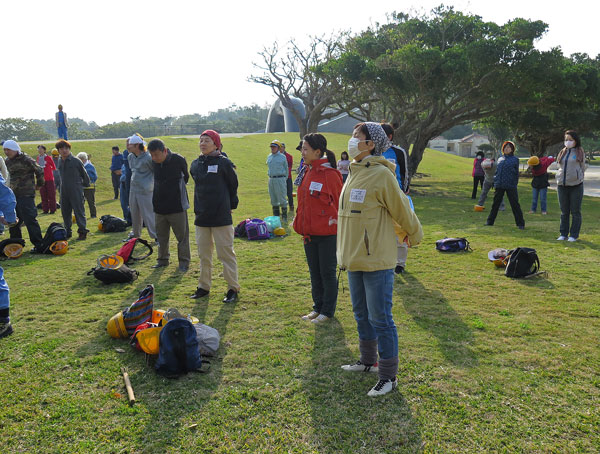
pixel 141 188
pixel 73 178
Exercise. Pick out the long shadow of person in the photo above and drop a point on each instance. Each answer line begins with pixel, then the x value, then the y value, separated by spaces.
pixel 344 418
pixel 431 311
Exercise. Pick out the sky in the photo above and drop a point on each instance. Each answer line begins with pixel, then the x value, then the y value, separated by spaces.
pixel 108 61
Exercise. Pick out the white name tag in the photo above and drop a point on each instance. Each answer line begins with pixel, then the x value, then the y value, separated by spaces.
pixel 314 186
pixel 358 195
pixel 392 160
pixel 213 169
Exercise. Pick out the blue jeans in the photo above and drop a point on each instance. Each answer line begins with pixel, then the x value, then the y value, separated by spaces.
pixel 543 193
pixel 4 292
pixel 569 199
pixel 125 201
pixel 62 133
pixel 371 294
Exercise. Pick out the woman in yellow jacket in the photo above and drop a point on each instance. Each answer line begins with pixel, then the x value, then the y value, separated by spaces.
pixel 370 202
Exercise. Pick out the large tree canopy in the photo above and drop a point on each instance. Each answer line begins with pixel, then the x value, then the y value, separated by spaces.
pixel 428 74
pixel 564 94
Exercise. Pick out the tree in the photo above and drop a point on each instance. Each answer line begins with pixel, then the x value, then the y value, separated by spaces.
pixel 299 73
pixel 20 129
pixel 565 96
pixel 428 74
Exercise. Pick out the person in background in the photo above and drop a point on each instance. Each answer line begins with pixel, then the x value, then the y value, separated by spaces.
pixel 506 180
pixel 56 173
pixel 90 192
pixel 569 179
pixel 115 170
pixel 539 182
pixel 170 203
pixel 48 191
pixel 5 175
pixel 278 173
pixel 215 197
pixel 141 188
pixel 125 183
pixel 73 179
pixel 399 157
pixel 289 182
pixel 489 167
pixel 62 123
pixel 8 216
pixel 343 165
pixel 316 220
pixel 26 177
pixel 478 174
pixel 371 205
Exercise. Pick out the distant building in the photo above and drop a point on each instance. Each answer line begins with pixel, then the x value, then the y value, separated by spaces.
pixel 281 119
pixel 466 147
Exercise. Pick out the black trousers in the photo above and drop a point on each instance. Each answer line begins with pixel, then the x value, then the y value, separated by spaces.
pixel 477 181
pixel 116 183
pixel 513 199
pixel 322 262
pixel 27 214
pixel 290 193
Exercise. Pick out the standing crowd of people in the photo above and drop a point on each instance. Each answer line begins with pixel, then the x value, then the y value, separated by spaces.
pixel 354 213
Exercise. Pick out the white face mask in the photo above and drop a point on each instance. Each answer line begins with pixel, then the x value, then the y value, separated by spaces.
pixel 569 143
pixel 353 150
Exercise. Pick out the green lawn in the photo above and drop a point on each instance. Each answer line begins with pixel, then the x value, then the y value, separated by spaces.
pixel 487 364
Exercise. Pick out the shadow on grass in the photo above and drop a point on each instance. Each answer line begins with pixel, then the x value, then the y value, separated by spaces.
pixel 344 418
pixel 431 311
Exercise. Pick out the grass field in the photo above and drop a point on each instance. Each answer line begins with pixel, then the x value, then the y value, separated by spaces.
pixel 487 364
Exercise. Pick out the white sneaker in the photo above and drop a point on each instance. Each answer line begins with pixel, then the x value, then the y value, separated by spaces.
pixel 310 316
pixel 561 238
pixel 360 367
pixel 571 239
pixel 383 387
pixel 320 319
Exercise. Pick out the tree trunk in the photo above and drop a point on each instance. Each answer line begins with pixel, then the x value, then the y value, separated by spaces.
pixel 416 155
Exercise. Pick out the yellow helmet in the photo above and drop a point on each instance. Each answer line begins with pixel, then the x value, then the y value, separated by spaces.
pixel 278 143
pixel 478 207
pixel 148 339
pixel 100 226
pixel 116 327
pixel 55 152
pixel 13 250
pixel 59 247
pixel 533 161
pixel 111 262
pixel 279 231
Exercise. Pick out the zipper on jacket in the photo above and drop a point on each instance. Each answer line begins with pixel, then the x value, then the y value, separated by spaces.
pixel 366 240
pixel 565 169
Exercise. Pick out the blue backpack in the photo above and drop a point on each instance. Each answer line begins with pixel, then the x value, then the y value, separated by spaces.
pixel 178 351
pixel 453 245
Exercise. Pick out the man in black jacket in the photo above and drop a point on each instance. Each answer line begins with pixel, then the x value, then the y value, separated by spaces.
pixel 215 196
pixel 170 203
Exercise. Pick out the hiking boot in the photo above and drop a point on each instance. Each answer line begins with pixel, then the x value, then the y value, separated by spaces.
pixel 561 238
pixel 310 315
pixel 360 367
pixel 383 387
pixel 231 297
pixel 82 236
pixel 399 269
pixel 6 329
pixel 159 265
pixel 320 319
pixel 199 293
pixel 182 268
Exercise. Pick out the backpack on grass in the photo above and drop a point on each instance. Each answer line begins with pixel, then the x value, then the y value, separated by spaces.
pixel 55 232
pixel 109 270
pixel 256 229
pixel 178 351
pixel 453 245
pixel 128 249
pixel 111 223
pixel 522 262
pixel 240 229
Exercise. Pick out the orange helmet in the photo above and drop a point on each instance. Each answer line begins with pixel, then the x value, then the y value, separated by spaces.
pixel 13 250
pixel 59 247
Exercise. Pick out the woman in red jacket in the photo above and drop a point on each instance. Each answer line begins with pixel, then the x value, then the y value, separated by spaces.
pixel 318 196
